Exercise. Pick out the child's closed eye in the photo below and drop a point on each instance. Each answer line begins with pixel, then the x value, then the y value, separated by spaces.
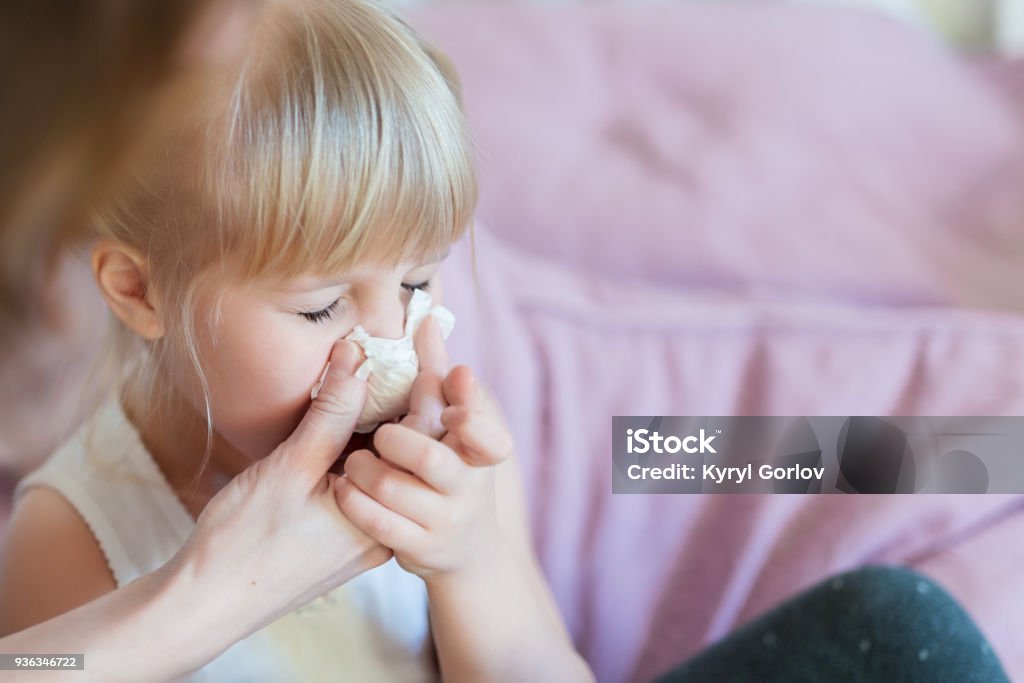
pixel 412 287
pixel 321 315
pixel 327 313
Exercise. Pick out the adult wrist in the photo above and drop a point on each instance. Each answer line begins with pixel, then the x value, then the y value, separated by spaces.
pixel 199 614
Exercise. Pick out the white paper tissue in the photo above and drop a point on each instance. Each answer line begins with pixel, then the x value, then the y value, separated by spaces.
pixel 391 365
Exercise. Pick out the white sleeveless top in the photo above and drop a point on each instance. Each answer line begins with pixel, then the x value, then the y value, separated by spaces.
pixel 373 628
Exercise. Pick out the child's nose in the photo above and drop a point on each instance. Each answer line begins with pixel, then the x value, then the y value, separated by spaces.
pixel 384 316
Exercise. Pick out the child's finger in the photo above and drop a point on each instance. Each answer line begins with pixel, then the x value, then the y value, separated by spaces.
pixel 460 387
pixel 424 456
pixel 397 490
pixel 429 345
pixel 481 441
pixel 385 526
pixel 426 400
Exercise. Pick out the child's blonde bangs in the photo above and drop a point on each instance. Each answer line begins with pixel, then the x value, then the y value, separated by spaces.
pixel 343 143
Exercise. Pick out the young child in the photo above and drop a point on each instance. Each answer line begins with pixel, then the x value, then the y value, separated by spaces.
pixel 312 195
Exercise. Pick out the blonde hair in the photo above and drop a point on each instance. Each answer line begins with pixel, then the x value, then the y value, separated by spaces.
pixel 339 140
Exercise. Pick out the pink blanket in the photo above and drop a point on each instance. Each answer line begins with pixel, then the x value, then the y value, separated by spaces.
pixel 737 210
pixel 646 580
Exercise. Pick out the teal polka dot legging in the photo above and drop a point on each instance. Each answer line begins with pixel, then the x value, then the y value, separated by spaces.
pixel 877 625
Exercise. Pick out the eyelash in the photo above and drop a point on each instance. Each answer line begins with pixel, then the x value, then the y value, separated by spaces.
pixel 321 315
pixel 327 313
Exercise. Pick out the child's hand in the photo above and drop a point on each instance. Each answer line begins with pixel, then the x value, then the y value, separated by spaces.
pixel 426 400
pixel 432 501
pixel 429 410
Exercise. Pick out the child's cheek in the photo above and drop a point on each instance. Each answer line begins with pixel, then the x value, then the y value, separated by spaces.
pixel 264 379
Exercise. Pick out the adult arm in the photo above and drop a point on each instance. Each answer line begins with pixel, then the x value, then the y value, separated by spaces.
pixel 269 542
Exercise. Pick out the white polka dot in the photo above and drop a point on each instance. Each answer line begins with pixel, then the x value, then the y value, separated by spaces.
pixel 837 583
pixel 923 654
pixel 769 639
pixel 865 645
pixel 923 587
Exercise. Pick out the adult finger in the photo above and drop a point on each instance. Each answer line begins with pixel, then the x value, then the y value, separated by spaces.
pixel 328 424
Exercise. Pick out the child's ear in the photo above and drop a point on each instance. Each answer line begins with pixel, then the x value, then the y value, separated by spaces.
pixel 122 274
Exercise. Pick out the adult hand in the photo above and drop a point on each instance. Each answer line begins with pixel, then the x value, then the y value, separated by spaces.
pixel 274 538
pixel 270 541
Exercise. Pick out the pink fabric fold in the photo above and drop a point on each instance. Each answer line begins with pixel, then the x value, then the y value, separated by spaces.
pixel 646 580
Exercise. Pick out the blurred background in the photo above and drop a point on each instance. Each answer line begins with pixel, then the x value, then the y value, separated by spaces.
pixel 982 25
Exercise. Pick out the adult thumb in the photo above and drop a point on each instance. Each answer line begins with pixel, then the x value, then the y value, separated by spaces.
pixel 332 416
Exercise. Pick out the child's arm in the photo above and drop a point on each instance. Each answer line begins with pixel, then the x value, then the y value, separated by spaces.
pixel 505 614
pixel 51 562
pixel 463 528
